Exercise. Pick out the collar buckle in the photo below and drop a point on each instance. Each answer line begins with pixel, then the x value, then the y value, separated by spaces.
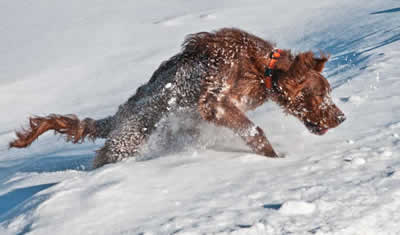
pixel 275 54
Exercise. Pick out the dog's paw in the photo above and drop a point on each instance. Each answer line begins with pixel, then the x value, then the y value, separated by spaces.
pixel 268 152
pixel 273 154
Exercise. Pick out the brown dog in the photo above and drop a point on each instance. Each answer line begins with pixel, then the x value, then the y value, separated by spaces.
pixel 216 77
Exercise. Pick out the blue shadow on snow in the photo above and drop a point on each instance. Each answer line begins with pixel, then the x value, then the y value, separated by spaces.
pixel 352 54
pixel 17 196
pixel 272 206
pixel 386 11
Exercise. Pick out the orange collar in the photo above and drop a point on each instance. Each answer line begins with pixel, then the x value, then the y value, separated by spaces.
pixel 275 54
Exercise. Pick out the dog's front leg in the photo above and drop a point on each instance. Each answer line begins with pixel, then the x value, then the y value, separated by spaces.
pixel 228 115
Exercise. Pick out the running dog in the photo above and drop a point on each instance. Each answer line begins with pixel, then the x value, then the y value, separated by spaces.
pixel 217 77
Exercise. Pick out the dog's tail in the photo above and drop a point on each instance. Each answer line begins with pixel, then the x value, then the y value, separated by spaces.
pixel 74 129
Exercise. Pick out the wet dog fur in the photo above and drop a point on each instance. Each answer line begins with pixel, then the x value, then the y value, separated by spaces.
pixel 217 76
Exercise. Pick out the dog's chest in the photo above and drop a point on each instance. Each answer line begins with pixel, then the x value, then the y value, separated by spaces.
pixel 245 97
pixel 244 103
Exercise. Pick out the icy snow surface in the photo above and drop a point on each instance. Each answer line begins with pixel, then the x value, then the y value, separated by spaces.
pixel 87 57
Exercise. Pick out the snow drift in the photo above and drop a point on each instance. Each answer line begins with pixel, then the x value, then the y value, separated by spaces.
pixel 89 57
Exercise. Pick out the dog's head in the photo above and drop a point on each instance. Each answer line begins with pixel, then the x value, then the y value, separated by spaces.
pixel 305 93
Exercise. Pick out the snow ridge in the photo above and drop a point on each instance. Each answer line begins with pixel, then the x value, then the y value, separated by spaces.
pixel 88 57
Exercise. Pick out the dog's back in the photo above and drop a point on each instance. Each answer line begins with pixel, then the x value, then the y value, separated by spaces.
pixel 175 84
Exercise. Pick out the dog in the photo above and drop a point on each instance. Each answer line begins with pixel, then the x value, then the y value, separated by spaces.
pixel 216 77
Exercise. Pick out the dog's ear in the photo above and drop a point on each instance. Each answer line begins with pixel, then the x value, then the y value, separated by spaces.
pixel 305 62
pixel 302 63
pixel 320 62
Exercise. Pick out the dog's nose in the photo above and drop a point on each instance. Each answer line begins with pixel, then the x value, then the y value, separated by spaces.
pixel 341 118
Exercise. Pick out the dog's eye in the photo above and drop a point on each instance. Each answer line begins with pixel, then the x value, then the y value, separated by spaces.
pixel 317 92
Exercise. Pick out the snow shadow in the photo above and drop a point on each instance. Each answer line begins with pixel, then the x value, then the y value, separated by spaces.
pixel 24 200
pixel 276 206
pixel 354 53
pixel 386 11
pixel 48 163
pixel 57 163
pixel 14 198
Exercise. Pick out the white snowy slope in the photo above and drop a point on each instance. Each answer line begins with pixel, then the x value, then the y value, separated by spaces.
pixel 87 57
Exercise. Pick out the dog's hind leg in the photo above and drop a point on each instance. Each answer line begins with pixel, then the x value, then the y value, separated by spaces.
pixel 132 137
pixel 126 140
pixel 228 115
pixel 123 142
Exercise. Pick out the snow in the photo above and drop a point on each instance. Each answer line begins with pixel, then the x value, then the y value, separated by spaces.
pixel 87 57
pixel 297 208
pixel 169 85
